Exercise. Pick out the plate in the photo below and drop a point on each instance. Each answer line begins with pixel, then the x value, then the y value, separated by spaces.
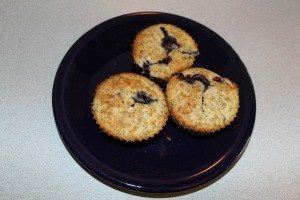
pixel 173 161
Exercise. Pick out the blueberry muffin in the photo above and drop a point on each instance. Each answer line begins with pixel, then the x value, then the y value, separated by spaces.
pixel 161 50
pixel 130 107
pixel 202 101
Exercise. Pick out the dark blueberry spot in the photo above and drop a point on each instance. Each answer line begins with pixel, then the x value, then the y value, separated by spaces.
pixel 166 34
pixel 142 98
pixel 168 42
pixel 188 78
pixel 165 61
pixel 201 78
pixel 147 64
pixel 196 77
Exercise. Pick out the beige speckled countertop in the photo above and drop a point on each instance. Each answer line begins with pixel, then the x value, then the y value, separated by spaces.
pixel 34 37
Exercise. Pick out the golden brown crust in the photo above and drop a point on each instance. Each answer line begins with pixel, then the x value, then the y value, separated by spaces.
pixel 203 110
pixel 147 48
pixel 122 114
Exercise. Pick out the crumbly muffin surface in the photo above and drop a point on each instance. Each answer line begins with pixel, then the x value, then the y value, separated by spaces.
pixel 162 50
pixel 130 107
pixel 202 101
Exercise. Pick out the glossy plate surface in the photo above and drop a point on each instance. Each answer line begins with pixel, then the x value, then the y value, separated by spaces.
pixel 172 161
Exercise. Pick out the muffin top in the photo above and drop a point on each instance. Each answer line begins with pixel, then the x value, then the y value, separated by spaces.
pixel 162 50
pixel 201 100
pixel 129 107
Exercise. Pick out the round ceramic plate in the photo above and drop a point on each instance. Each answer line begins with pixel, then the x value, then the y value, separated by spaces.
pixel 172 161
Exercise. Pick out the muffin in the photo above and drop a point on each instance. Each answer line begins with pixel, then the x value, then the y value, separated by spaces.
pixel 161 50
pixel 130 107
pixel 202 101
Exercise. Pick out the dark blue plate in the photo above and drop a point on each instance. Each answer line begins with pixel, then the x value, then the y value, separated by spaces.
pixel 172 161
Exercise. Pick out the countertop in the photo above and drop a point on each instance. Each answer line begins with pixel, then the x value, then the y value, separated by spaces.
pixel 34 37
